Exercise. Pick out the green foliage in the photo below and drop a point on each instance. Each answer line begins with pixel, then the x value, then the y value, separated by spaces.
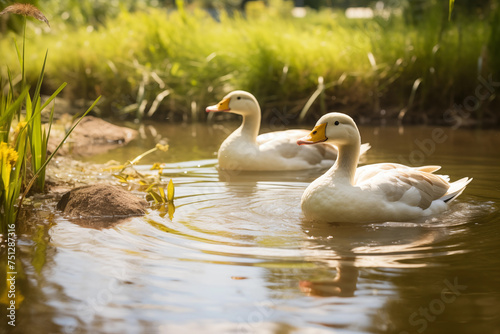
pixel 154 63
pixel 37 134
pixel 494 41
pixel 23 150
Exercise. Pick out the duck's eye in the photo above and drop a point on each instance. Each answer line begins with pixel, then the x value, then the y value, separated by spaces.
pixel 337 123
pixel 238 98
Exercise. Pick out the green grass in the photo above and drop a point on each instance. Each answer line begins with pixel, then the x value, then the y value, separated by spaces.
pixel 23 136
pixel 172 65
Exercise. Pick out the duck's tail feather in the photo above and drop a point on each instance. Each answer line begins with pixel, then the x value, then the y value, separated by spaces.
pixel 456 188
pixel 363 148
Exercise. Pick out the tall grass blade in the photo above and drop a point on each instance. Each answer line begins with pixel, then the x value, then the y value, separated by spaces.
pixel 53 96
pixel 30 184
pixel 314 96
pixel 51 119
pixel 413 93
pixel 36 96
pixel 13 107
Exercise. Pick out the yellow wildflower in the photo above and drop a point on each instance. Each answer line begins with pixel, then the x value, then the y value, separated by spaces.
pixel 8 158
pixel 20 126
pixel 7 155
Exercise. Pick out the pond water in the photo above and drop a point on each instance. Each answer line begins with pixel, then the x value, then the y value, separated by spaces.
pixel 238 257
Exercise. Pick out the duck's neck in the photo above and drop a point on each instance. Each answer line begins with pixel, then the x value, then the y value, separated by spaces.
pixel 344 168
pixel 250 126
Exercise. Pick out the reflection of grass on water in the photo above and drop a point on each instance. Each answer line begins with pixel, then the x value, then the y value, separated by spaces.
pixel 174 64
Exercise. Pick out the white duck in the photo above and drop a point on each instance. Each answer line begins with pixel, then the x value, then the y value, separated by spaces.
pixel 245 150
pixel 373 193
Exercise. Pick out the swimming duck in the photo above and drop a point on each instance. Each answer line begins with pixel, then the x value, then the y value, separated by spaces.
pixel 244 149
pixel 372 193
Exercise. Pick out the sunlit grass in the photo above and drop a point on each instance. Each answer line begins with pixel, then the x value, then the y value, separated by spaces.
pixel 23 136
pixel 172 65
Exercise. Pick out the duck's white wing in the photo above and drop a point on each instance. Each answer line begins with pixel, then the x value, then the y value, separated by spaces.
pixel 278 135
pixel 398 183
pixel 284 144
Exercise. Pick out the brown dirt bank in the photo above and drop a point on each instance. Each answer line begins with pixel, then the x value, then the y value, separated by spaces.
pixel 92 136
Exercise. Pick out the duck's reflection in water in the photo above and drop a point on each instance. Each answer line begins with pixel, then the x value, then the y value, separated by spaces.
pixel 343 285
pixel 349 249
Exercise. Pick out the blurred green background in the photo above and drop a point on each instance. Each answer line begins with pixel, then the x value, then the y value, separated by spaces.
pixel 406 61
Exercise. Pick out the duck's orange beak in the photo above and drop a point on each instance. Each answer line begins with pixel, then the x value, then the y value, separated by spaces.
pixel 317 135
pixel 221 106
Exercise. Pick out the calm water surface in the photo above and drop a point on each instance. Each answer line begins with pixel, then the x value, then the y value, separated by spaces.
pixel 238 257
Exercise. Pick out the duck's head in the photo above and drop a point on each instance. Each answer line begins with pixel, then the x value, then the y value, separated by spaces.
pixel 238 102
pixel 335 128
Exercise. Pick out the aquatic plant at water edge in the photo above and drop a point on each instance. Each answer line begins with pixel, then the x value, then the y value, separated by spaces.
pixel 151 185
pixel 24 150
